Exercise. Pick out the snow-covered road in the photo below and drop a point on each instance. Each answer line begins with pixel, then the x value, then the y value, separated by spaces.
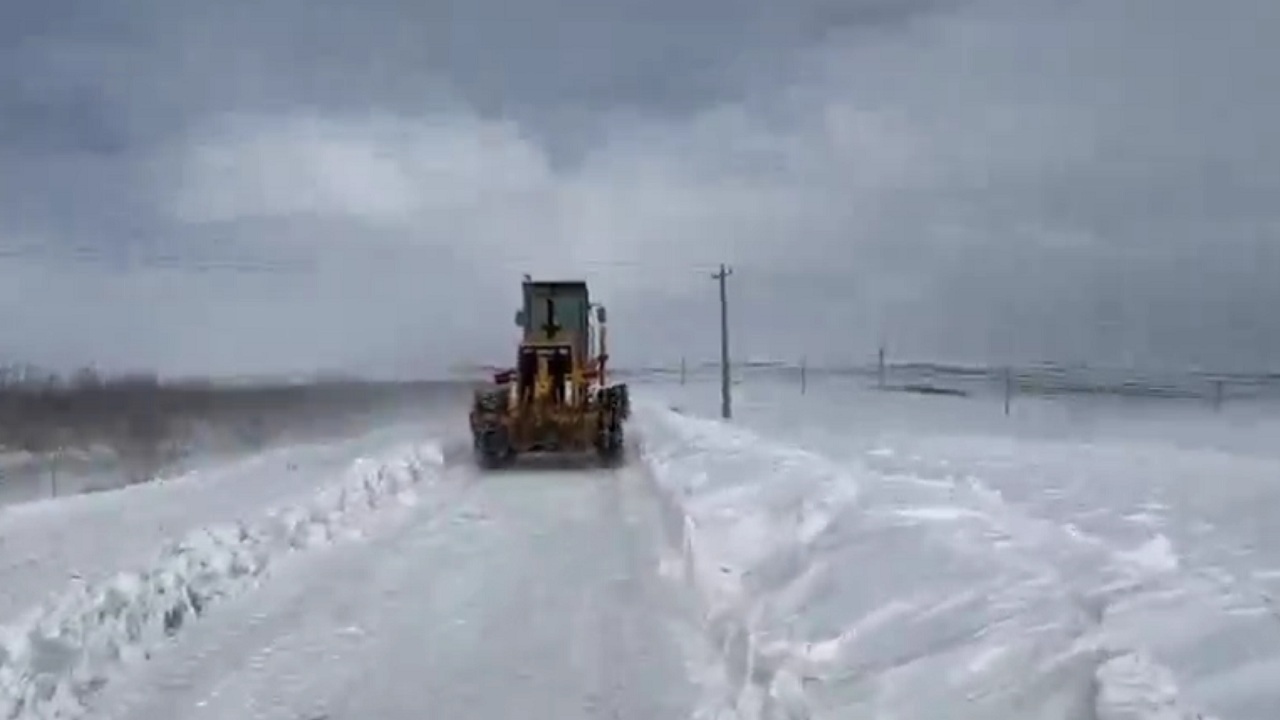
pixel 519 594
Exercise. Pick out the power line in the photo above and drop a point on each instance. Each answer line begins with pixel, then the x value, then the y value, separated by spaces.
pixel 130 258
pixel 301 261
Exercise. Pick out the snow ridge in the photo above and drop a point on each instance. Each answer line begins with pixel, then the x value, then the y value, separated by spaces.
pixel 834 595
pixel 749 514
pixel 59 654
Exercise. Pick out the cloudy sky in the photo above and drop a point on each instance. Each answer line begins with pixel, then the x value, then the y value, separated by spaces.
pixel 249 186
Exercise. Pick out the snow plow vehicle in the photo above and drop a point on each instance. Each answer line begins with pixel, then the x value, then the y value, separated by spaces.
pixel 557 400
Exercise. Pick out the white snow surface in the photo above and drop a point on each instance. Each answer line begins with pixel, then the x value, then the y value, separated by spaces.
pixel 46 545
pixel 915 572
pixel 57 654
pixel 518 594
pixel 852 555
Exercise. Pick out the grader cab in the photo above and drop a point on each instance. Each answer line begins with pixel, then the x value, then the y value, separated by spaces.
pixel 557 399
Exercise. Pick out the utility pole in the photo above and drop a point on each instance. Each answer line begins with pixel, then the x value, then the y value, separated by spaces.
pixel 726 406
pixel 681 369
pixel 804 366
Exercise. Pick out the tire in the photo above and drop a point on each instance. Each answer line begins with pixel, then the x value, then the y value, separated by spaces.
pixel 494 449
pixel 609 441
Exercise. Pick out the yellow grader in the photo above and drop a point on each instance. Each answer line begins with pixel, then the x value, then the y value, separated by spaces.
pixel 557 399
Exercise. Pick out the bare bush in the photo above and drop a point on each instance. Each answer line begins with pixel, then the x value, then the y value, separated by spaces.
pixel 149 425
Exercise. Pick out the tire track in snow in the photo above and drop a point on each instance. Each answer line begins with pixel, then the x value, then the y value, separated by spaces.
pixel 314 613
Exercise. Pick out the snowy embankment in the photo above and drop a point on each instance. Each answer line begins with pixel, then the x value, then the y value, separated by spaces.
pixel 843 590
pixel 47 544
pixel 54 655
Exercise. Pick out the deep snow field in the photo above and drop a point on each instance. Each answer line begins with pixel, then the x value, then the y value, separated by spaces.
pixel 847 553
pixel 887 555
pixel 91 583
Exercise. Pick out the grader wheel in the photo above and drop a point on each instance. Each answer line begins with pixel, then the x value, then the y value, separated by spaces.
pixel 610 439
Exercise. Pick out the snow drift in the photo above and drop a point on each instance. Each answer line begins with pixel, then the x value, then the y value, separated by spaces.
pixel 52 659
pixel 839 591
pixel 46 544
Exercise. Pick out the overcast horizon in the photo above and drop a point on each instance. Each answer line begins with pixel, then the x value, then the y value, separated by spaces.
pixel 251 188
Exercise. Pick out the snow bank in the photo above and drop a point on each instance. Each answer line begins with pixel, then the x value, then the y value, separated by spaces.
pixel 57 655
pixel 748 514
pixel 839 591
pixel 47 544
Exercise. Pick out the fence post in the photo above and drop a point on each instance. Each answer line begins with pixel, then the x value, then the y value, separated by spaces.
pixel 1008 388
pixel 53 472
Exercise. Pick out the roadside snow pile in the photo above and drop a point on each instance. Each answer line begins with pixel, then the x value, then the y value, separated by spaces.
pixel 59 654
pixel 836 592
pixel 47 544
pixel 750 515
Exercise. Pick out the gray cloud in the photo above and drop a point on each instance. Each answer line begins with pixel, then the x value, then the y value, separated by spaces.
pixel 974 180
